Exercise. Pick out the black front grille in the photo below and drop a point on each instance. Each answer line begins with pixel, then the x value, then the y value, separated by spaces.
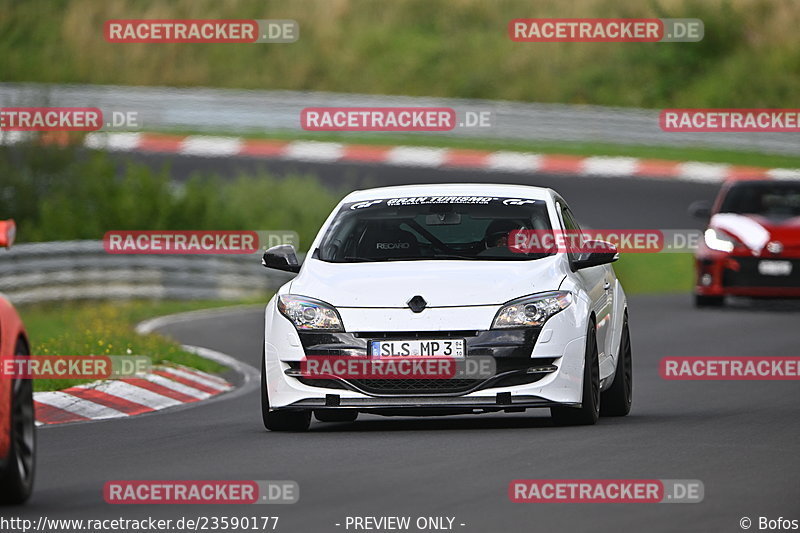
pixel 416 386
pixel 510 348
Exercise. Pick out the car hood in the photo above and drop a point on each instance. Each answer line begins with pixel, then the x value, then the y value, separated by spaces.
pixel 756 231
pixel 440 283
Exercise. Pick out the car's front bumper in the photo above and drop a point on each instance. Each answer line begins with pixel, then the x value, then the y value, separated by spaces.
pixel 720 274
pixel 538 367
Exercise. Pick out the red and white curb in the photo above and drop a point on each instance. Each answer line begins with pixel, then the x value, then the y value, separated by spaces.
pixel 426 157
pixel 163 387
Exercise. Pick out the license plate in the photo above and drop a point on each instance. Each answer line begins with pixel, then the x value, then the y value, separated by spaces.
pixel 774 268
pixel 418 348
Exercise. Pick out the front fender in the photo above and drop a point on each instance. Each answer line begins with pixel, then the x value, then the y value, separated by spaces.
pixel 11 329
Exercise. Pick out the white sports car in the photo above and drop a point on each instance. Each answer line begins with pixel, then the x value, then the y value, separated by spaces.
pixel 427 271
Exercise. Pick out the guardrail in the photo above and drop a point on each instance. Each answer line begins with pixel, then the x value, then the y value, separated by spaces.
pixel 228 111
pixel 75 270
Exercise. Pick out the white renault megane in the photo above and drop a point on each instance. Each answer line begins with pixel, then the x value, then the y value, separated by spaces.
pixel 427 271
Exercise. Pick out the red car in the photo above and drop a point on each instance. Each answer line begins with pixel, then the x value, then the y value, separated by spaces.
pixel 17 426
pixel 752 244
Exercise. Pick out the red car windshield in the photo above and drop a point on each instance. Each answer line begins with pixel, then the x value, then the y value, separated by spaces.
pixel 772 200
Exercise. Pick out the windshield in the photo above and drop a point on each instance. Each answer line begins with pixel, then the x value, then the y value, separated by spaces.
pixel 431 227
pixel 771 200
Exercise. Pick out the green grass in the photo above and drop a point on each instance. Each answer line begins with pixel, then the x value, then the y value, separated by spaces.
pixel 655 273
pixel 749 56
pixel 707 155
pixel 93 328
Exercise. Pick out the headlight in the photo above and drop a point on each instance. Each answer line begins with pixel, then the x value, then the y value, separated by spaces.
pixel 531 310
pixel 722 242
pixel 309 314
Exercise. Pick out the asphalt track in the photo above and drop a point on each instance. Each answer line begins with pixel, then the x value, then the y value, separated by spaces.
pixel 738 438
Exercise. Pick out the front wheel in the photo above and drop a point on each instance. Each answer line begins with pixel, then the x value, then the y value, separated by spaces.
pixel 297 421
pixel 616 401
pixel 589 411
pixel 280 420
pixel 16 478
pixel 701 300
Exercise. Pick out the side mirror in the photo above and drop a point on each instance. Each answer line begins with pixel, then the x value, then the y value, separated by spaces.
pixel 700 209
pixel 595 253
pixel 281 257
pixel 8 231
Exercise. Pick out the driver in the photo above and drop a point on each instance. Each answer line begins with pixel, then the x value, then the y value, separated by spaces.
pixel 496 235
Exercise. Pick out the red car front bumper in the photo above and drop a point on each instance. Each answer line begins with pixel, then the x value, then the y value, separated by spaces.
pixel 721 274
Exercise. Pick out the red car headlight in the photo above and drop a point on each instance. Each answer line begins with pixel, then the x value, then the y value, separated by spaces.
pixel 721 241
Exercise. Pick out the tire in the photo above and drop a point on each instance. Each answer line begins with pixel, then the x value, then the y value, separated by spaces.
pixel 338 415
pixel 16 478
pixel 616 401
pixel 280 420
pixel 708 301
pixel 589 411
